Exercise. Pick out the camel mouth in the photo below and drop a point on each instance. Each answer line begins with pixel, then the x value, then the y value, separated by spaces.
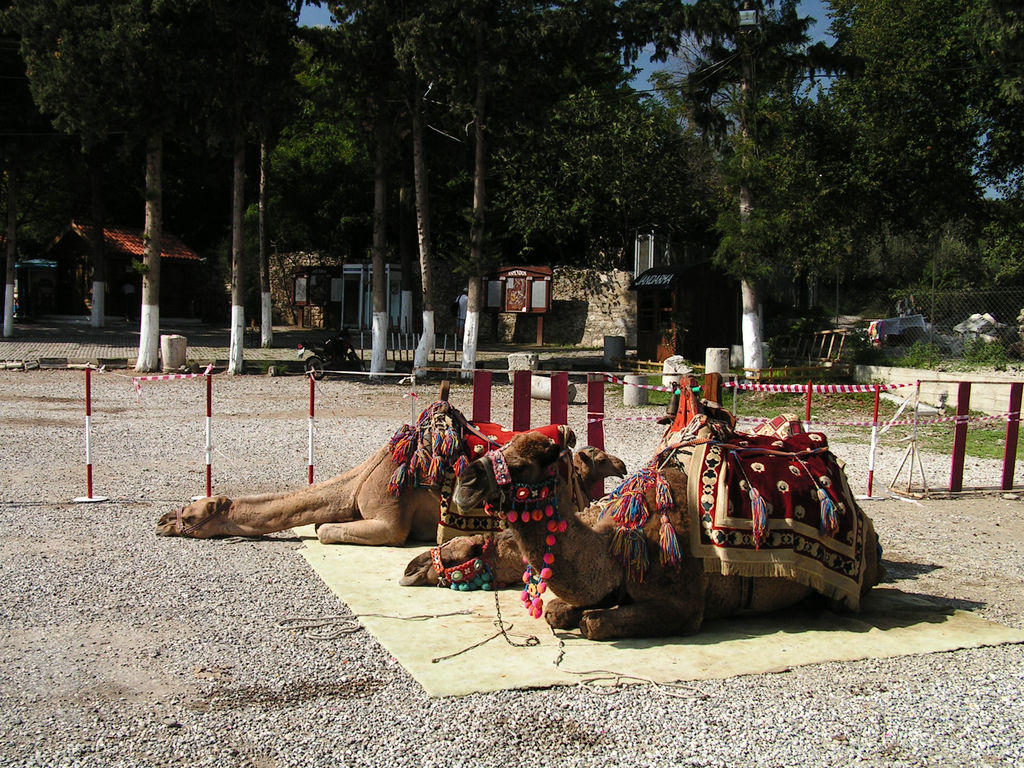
pixel 167 525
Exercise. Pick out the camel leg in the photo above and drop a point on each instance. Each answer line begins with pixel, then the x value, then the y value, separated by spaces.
pixel 368 532
pixel 649 618
pixel 560 615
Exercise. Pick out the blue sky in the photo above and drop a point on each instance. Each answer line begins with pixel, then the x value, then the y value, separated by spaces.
pixel 312 16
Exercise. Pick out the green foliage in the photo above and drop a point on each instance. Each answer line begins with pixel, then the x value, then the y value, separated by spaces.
pixel 920 354
pixel 978 351
pixel 580 179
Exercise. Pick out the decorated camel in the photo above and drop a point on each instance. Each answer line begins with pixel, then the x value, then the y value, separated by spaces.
pixel 687 538
pixel 491 560
pixel 457 561
pixel 400 492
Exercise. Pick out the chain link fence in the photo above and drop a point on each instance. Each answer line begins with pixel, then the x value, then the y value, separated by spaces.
pixel 981 326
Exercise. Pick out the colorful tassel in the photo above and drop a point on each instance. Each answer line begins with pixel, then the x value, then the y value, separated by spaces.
pixel 630 547
pixel 829 513
pixel 397 481
pixel 758 517
pixel 670 554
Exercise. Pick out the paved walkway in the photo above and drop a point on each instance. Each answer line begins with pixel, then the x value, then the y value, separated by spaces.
pixel 57 342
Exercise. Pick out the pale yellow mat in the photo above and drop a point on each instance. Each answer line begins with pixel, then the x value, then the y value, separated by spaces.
pixel 450 643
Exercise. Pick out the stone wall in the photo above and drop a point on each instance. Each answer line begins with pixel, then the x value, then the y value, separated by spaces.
pixel 586 306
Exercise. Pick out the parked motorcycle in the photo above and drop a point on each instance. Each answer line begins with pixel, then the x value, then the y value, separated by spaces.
pixel 336 355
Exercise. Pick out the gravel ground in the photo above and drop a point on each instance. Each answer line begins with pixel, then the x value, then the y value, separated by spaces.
pixel 121 648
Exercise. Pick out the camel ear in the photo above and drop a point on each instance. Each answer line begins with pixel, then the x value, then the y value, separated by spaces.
pixel 416 571
pixel 551 453
pixel 586 455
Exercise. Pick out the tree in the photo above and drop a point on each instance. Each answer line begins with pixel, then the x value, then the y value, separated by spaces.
pixel 579 180
pixel 247 50
pixel 728 69
pixel 70 49
pixel 1000 30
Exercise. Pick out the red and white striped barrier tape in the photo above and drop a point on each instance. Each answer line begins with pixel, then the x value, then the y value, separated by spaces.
pixel 655 387
pixel 885 424
pixel 821 389
pixel 137 380
pixel 903 422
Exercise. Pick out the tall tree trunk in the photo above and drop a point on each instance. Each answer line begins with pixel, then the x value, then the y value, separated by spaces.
pixel 266 306
pixel 750 324
pixel 99 249
pixel 149 318
pixel 419 165
pixel 470 333
pixel 236 355
pixel 753 356
pixel 12 238
pixel 405 251
pixel 378 356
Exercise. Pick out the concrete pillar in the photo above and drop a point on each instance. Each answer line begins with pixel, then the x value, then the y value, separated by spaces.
pixel 540 389
pixel 172 351
pixel 633 395
pixel 673 369
pixel 716 360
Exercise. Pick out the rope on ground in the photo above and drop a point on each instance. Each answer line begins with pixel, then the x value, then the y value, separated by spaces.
pixel 529 641
pixel 596 675
pixel 333 627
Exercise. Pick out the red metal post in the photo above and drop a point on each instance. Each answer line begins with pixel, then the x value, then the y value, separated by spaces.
pixel 1012 433
pixel 88 429
pixel 209 424
pixel 595 421
pixel 807 406
pixel 310 446
pixel 874 443
pixel 521 401
pixel 963 407
pixel 481 396
pixel 560 397
pixel 595 410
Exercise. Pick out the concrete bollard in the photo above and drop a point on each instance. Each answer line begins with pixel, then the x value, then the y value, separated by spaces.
pixel 633 395
pixel 614 351
pixel 716 360
pixel 172 351
pixel 540 389
pixel 673 369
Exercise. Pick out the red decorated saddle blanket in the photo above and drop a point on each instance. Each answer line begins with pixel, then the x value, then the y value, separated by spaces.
pixel 496 436
pixel 778 506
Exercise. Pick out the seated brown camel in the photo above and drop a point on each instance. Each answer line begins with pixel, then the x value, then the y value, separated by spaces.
pixel 498 553
pixel 393 496
pixel 608 586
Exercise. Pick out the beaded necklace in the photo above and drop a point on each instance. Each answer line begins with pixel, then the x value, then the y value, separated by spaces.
pixel 475 573
pixel 526 503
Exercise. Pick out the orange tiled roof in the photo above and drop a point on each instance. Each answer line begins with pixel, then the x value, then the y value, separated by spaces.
pixel 129 241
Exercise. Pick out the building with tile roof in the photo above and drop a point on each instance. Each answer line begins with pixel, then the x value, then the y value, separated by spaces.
pixel 71 251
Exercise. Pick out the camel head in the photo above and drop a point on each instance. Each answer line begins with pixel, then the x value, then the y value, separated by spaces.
pixel 422 570
pixel 594 465
pixel 197 520
pixel 526 459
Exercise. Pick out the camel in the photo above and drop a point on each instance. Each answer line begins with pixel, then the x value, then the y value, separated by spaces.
pixel 500 551
pixel 377 503
pixel 602 586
